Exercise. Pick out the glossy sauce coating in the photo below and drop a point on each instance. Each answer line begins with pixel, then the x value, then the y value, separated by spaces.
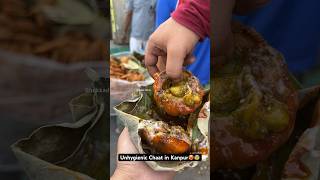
pixel 177 99
pixel 163 138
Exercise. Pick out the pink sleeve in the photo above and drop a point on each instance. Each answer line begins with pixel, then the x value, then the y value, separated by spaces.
pixel 195 15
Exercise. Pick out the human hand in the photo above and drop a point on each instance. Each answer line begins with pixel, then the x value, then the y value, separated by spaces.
pixel 221 27
pixel 135 169
pixel 170 48
pixel 221 24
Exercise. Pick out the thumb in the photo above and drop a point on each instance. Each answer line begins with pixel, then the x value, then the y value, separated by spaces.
pixel 125 145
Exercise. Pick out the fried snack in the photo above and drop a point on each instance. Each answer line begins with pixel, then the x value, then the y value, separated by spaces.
pixel 118 71
pixel 163 138
pixel 177 98
pixel 254 103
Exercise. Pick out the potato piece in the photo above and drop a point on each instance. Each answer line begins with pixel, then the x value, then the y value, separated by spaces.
pixel 177 99
pixel 178 91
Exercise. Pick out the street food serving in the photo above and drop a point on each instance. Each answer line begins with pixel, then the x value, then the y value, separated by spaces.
pixel 125 68
pixel 177 98
pixel 169 134
pixel 254 103
pixel 164 138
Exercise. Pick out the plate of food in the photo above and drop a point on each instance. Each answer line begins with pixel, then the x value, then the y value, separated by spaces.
pixel 127 74
pixel 181 129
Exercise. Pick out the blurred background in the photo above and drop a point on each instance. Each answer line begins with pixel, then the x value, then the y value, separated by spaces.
pixel 45 46
pixel 292 28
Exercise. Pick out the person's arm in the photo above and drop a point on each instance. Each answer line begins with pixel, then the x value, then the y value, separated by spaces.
pixel 128 18
pixel 194 15
pixel 127 22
